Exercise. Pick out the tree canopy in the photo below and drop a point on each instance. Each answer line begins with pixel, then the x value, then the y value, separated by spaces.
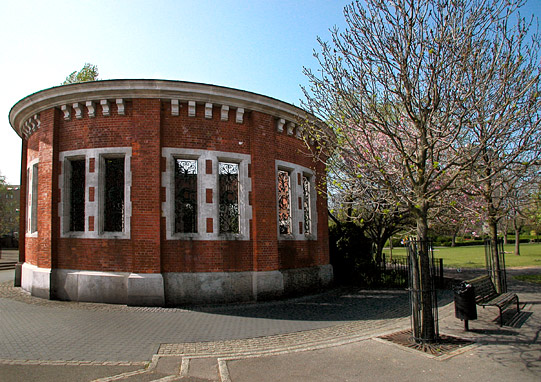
pixel 88 72
pixel 398 91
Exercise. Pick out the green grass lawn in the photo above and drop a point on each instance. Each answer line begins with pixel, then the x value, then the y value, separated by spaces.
pixel 474 256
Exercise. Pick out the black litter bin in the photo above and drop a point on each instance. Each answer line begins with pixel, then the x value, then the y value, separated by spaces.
pixel 465 307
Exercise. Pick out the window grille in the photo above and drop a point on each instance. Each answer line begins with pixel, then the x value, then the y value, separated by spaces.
pixel 114 195
pixel 284 202
pixel 307 212
pixel 185 196
pixel 228 179
pixel 77 195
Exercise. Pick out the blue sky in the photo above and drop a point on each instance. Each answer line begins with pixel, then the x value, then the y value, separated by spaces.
pixel 254 45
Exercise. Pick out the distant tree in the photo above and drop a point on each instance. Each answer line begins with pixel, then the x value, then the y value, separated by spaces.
pixel 89 72
pixel 503 116
pixel 533 210
pixel 9 216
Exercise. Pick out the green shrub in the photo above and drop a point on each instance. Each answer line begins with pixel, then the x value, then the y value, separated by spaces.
pixel 351 255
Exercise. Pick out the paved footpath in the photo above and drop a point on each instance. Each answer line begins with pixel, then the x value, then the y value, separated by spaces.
pixel 331 336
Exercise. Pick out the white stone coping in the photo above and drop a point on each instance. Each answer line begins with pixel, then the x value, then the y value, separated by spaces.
pixel 144 88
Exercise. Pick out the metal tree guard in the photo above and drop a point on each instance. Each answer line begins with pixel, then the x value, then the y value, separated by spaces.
pixel 495 265
pixel 422 292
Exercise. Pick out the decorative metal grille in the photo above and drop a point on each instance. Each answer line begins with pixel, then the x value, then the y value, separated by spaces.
pixel 185 195
pixel 77 195
pixel 228 175
pixel 307 212
pixel 114 195
pixel 284 203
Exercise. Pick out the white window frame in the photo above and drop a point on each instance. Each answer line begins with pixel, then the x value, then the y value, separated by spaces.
pixel 289 171
pixel 96 180
pixel 206 181
pixel 296 191
pixel 200 194
pixel 66 197
pixel 32 180
pixel 311 202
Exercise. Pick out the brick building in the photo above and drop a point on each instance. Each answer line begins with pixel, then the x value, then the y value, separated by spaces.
pixel 151 192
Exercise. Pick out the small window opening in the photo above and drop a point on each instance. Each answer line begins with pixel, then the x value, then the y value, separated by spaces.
pixel 228 179
pixel 185 196
pixel 114 195
pixel 284 202
pixel 77 195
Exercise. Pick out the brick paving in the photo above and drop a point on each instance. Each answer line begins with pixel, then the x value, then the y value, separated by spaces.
pixel 239 342
pixel 38 329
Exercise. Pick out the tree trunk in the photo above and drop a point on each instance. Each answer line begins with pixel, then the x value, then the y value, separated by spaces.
pixel 496 268
pixel 422 285
pixel 453 240
pixel 505 238
pixel 391 248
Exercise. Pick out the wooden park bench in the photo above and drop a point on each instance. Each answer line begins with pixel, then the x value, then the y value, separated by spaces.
pixel 486 295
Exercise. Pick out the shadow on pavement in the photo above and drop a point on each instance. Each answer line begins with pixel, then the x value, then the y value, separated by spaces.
pixel 343 304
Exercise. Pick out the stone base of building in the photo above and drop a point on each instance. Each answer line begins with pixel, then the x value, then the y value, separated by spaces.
pixel 169 289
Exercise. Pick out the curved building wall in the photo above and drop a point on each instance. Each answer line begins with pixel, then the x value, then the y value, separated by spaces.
pixel 160 192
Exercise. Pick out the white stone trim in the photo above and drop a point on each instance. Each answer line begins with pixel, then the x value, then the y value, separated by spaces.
pixel 172 288
pixel 300 129
pixel 105 107
pixel 296 191
pixel 225 113
pixel 67 112
pixel 158 89
pixel 240 115
pixel 174 107
pixel 280 125
pixel 225 287
pixel 78 110
pixel 36 280
pixel 120 106
pixel 107 287
pixel 31 125
pixel 64 183
pixel 290 128
pixel 204 181
pixel 91 109
pixel 208 110
pixel 191 108
pixel 32 187
pixel 95 180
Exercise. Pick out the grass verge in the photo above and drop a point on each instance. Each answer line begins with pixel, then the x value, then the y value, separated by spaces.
pixel 474 256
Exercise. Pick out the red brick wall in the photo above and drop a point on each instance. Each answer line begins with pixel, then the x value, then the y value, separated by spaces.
pixel 95 254
pixel 264 219
pixel 146 186
pixel 147 127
